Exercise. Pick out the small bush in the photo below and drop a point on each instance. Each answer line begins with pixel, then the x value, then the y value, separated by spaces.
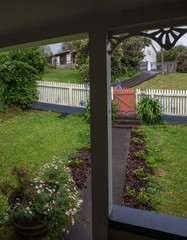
pixel 17 83
pixel 139 173
pixel 149 111
pixel 137 131
pixel 137 141
pixel 140 154
pixel 75 163
pixel 19 71
pixel 51 66
pixel 182 62
pixel 142 196
pixel 130 192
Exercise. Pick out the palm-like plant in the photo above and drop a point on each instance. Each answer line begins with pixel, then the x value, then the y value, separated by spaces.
pixel 149 111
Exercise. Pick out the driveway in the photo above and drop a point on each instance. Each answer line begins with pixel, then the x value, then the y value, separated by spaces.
pixel 144 76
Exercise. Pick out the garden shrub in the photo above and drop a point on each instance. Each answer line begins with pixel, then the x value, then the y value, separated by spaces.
pixel 32 57
pixel 17 83
pixel 182 62
pixel 149 111
pixel 51 66
pixel 139 173
pixel 140 154
pixel 19 71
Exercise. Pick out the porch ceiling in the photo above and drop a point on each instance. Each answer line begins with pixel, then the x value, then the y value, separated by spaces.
pixel 28 21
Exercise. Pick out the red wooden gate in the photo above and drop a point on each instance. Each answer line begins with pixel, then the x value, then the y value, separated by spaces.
pixel 125 100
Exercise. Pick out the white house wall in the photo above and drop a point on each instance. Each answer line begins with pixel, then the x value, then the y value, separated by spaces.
pixel 68 58
pixel 150 57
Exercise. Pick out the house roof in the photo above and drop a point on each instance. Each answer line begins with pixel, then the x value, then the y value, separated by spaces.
pixel 67 51
pixel 42 22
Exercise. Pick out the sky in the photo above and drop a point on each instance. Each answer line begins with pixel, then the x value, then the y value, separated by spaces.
pixel 182 41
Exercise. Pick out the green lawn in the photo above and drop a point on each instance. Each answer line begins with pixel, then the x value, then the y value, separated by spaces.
pixel 72 76
pixel 167 154
pixel 33 138
pixel 173 81
pixel 62 75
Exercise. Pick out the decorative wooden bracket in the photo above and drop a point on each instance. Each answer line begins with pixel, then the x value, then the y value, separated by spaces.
pixel 165 37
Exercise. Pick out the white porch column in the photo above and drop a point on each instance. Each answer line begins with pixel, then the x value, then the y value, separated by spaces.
pixel 101 137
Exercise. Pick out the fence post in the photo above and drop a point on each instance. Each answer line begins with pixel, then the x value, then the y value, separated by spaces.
pixel 112 93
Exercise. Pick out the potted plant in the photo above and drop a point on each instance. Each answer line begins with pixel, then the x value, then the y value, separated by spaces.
pixel 42 199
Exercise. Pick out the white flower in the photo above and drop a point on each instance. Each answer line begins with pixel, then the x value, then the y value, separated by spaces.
pixel 39 191
pixel 48 210
pixel 36 187
pixel 41 186
pixel 63 229
pixel 30 212
pixel 45 212
pixel 67 232
pixel 6 217
pixel 53 190
pixel 56 167
pixel 30 203
pixel 28 208
pixel 67 213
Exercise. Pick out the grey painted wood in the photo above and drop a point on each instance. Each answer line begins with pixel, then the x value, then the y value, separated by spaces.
pixel 100 96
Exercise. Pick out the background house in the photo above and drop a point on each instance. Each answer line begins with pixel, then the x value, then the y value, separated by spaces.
pixel 66 59
pixel 149 61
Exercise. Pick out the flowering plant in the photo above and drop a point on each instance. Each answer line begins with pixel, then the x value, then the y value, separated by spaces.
pixel 42 196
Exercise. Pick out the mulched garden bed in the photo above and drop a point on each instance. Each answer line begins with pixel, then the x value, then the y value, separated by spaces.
pixel 80 174
pixel 131 180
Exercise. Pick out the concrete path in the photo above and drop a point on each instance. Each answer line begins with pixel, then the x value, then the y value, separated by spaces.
pixel 144 76
pixel 120 146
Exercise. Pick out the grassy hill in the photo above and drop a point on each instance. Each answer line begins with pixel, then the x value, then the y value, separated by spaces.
pixel 62 75
pixel 173 81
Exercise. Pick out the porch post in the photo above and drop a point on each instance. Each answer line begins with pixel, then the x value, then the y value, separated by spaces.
pixel 101 137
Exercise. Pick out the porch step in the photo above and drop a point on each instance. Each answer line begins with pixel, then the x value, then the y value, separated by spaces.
pixel 127 122
pixel 127 117
pixel 126 126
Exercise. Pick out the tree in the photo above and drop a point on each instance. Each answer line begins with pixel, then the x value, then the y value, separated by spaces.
pixel 182 62
pixel 171 55
pixel 19 71
pixel 45 50
pixel 126 57
pixel 65 46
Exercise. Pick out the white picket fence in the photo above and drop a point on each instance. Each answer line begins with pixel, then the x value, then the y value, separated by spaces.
pixel 62 93
pixel 174 102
